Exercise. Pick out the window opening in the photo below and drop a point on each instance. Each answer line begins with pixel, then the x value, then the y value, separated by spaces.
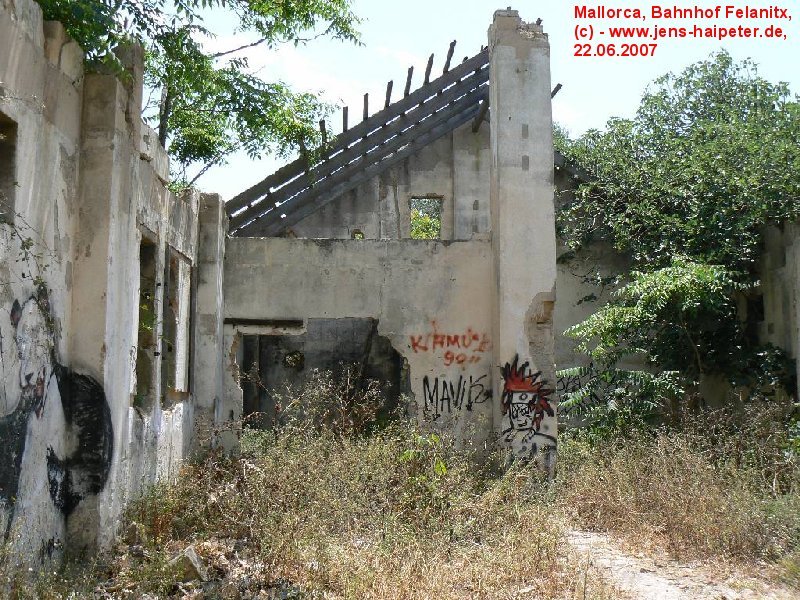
pixel 176 328
pixel 426 218
pixel 146 341
pixel 8 164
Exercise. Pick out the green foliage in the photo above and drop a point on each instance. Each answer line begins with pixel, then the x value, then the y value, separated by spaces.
pixel 424 227
pixel 685 189
pixel 426 218
pixel 210 105
pixel 711 156
pixel 215 110
pixel 618 400
pixel 659 315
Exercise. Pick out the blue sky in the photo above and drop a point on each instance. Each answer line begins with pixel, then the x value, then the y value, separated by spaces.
pixel 398 34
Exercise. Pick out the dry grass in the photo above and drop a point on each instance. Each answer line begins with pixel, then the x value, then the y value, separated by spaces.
pixel 318 510
pixel 709 491
pixel 393 515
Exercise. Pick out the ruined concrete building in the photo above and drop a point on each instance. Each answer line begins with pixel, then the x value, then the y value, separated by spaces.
pixel 129 313
pixel 323 262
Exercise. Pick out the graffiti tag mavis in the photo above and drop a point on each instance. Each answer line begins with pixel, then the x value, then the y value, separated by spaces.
pixel 444 396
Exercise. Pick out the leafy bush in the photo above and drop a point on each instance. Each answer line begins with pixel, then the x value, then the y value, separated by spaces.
pixel 686 189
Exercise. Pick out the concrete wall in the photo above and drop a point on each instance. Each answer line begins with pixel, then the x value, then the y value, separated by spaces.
pixel 455 168
pixel 40 92
pixel 780 286
pixel 430 300
pixel 471 315
pixel 87 182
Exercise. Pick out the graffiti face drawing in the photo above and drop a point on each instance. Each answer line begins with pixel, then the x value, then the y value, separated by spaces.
pixel 34 350
pixel 42 478
pixel 525 404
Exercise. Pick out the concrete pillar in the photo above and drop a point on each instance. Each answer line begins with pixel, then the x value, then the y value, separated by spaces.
pixel 208 325
pixel 104 264
pixel 523 237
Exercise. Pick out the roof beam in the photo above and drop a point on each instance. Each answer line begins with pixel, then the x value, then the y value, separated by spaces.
pixel 275 226
pixel 351 168
pixel 365 145
pixel 348 136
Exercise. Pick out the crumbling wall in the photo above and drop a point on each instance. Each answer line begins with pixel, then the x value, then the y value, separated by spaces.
pixel 280 364
pixel 471 313
pixel 454 169
pixel 430 300
pixel 41 85
pixel 779 309
pixel 81 180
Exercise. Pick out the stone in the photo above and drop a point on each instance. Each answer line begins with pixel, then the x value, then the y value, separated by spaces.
pixel 188 566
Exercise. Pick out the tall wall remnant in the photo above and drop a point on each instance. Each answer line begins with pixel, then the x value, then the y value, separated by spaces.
pixel 96 261
pixel 469 313
pixel 523 233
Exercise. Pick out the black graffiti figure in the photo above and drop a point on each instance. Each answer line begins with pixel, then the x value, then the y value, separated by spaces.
pixel 85 470
pixel 87 418
pixel 13 433
pixel 525 401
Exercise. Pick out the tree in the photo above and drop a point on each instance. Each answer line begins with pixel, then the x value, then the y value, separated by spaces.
pixel 685 188
pixel 208 105
pixel 426 218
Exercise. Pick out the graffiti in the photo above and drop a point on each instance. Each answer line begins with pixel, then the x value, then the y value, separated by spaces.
pixel 525 405
pixel 569 384
pixel 456 348
pixel 445 396
pixel 60 430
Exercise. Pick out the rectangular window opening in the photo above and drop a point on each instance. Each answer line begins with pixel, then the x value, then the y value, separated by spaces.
pixel 176 332
pixel 426 217
pixel 146 350
pixel 8 168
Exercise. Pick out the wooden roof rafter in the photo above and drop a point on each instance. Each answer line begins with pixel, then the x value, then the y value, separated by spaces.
pixel 363 151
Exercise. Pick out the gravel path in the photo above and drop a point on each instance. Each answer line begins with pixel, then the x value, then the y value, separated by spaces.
pixel 649 579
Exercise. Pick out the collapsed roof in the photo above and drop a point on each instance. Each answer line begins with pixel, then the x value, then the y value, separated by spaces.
pixel 360 153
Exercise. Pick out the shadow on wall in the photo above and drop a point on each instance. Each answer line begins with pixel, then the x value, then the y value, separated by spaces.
pixel 57 443
pixel 270 363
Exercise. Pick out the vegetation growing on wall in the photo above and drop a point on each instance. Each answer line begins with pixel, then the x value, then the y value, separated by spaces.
pixel 207 104
pixel 685 188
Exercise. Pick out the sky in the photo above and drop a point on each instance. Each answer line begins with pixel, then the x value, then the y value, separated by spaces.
pixel 398 34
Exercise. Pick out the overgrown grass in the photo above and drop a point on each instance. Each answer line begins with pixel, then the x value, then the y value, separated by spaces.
pixel 722 487
pixel 397 514
pixel 319 509
pixel 394 515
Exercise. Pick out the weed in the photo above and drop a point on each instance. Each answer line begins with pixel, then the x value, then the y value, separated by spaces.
pixel 715 495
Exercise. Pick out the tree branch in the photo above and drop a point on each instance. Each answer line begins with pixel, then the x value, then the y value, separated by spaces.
pixel 206 167
pixel 165 109
pixel 298 40
pixel 245 47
